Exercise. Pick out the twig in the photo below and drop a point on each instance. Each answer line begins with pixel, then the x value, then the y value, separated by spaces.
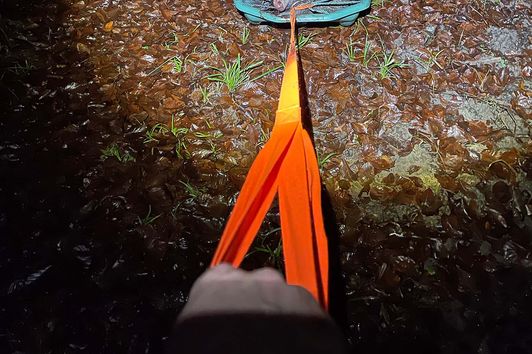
pixel 160 66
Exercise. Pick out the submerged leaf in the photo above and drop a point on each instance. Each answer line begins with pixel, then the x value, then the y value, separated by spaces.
pixel 20 284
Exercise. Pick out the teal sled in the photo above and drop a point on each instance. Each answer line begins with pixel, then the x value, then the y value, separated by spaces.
pixel 344 15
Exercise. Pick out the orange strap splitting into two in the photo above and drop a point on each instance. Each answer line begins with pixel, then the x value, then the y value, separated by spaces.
pixel 287 165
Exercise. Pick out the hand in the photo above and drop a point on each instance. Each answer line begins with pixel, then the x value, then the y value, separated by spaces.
pixel 228 290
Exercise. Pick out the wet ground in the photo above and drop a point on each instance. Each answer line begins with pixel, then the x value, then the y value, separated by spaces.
pixel 120 161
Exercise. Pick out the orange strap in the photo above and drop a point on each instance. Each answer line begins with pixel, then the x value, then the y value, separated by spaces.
pixel 287 165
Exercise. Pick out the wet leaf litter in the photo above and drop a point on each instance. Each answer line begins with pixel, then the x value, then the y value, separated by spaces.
pixel 121 161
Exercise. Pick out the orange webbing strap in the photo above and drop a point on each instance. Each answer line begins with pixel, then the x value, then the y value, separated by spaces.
pixel 286 165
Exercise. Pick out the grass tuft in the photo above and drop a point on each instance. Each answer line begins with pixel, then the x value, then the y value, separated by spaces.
pixel 304 40
pixel 235 74
pixel 114 151
pixel 431 60
pixel 244 35
pixel 214 49
pixel 148 219
pixel 205 95
pixel 323 160
pixel 366 56
pixel 178 64
pixel 387 63
pixel 194 192
pixel 350 50
pixel 275 254
pixel 152 133
pixel 375 3
pixel 174 129
pixel 23 68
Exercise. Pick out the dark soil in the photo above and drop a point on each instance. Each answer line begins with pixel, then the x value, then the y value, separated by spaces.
pixel 120 162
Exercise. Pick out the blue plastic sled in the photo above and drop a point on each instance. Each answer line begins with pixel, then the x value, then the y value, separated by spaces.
pixel 345 15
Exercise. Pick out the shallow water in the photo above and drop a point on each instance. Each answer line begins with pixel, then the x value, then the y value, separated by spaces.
pixel 120 166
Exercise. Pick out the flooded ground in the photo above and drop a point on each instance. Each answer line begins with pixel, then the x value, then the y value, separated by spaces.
pixel 120 161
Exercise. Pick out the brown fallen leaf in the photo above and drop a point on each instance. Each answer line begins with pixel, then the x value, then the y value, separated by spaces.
pixel 510 157
pixel 502 169
pixel 168 14
pixel 82 48
pixel 478 128
pixel 101 15
pixel 108 27
pixel 382 163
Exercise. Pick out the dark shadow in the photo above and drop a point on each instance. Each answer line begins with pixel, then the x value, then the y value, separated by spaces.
pixel 337 304
pixel 337 286
pixel 60 290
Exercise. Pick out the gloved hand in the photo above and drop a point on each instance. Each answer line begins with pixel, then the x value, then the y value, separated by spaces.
pixel 228 290
pixel 231 311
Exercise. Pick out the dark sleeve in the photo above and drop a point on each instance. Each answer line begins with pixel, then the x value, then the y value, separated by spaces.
pixel 256 334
